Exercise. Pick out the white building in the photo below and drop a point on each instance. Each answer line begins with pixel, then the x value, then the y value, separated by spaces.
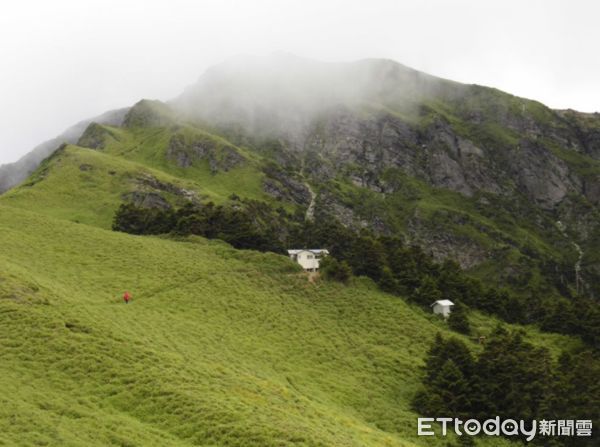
pixel 443 307
pixel 308 258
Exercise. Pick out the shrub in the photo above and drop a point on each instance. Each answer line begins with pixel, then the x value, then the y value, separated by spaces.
pixel 335 270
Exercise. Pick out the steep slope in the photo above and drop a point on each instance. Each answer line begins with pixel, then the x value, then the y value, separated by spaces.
pixel 142 162
pixel 218 347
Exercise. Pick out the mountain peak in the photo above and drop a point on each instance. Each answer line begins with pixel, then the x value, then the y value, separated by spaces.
pixel 286 92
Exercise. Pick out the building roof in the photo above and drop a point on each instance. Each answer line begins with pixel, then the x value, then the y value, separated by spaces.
pixel 443 303
pixel 316 251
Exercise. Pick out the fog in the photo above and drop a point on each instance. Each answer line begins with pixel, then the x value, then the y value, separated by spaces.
pixel 283 95
pixel 64 61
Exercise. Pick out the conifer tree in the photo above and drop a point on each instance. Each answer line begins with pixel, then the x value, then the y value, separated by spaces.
pixel 427 292
pixel 458 320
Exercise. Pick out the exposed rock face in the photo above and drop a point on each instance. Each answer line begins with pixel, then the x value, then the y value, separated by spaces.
pixel 328 204
pixel 147 200
pixel 148 183
pixel 283 186
pixel 591 189
pixel 377 143
pixel 438 155
pixel 184 151
pixel 287 190
pixel 542 176
pixel 96 137
pixel 586 126
pixel 442 244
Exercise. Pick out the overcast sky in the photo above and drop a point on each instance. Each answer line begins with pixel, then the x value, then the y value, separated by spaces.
pixel 63 61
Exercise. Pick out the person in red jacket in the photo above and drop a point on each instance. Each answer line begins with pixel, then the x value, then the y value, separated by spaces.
pixel 126 297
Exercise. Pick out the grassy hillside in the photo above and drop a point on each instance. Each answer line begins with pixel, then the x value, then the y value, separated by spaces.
pixel 218 347
pixel 87 186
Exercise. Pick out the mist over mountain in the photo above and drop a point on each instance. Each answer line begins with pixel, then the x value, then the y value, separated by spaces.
pixel 282 93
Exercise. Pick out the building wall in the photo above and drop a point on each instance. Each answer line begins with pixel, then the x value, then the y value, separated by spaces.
pixel 308 260
pixel 439 309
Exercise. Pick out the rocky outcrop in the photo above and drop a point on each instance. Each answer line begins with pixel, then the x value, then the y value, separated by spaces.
pixel 328 204
pixel 148 183
pixel 282 186
pixel 445 243
pixel 364 147
pixel 542 176
pixel 591 188
pixel 183 153
pixel 584 131
pixel 96 137
pixel 147 200
pixel 185 150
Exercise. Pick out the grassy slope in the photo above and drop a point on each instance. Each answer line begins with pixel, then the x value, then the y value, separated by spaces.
pixel 219 347
pixel 60 188
pixel 86 185
pixel 149 145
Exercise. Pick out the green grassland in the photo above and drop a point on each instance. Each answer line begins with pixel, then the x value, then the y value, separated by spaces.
pixel 149 145
pixel 218 348
pixel 87 186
